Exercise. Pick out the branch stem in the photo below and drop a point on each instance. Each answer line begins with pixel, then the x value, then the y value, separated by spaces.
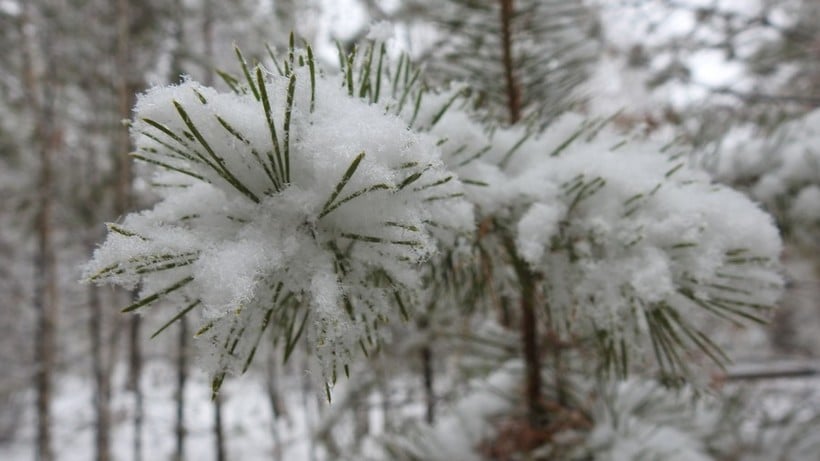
pixel 513 87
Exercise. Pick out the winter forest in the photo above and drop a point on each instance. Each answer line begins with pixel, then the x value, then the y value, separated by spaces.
pixel 410 230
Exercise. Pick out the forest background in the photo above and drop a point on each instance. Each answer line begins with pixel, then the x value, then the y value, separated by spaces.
pixel 739 81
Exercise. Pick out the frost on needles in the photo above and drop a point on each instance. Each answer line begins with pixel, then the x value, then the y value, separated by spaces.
pixel 286 205
pixel 636 251
pixel 314 206
pixel 639 251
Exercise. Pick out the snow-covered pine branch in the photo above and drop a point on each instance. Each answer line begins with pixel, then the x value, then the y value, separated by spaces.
pixel 638 251
pixel 288 204
pixel 302 202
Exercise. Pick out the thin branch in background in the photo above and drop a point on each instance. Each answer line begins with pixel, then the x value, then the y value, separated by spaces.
pixel 810 101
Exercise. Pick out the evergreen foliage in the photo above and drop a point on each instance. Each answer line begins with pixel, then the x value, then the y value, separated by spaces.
pixel 251 231
pixel 528 56
pixel 579 270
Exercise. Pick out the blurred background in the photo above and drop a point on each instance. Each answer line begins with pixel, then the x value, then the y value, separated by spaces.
pixel 738 79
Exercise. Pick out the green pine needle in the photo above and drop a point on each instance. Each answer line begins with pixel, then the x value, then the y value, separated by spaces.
pixel 176 317
pixel 351 170
pixel 220 167
pixel 278 168
pixel 288 112
pixel 246 72
pixel 154 297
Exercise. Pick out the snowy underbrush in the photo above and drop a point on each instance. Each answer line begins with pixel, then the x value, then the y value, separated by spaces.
pixel 629 420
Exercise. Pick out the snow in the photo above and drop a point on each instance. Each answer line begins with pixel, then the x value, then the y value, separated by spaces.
pixel 381 31
pixel 806 206
pixel 10 7
pixel 713 69
pixel 779 169
pixel 307 215
pixel 626 228
pixel 632 415
pixel 466 424
pixel 341 20
pixel 619 228
pixel 536 228
pixel 617 224
pixel 641 420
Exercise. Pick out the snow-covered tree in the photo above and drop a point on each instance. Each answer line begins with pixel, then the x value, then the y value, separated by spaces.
pixel 332 206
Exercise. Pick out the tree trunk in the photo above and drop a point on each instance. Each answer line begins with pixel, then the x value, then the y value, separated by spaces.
pixel 46 139
pixel 277 407
pixel 429 393
pixel 102 381
pixel 127 91
pixel 219 432
pixel 207 38
pixel 102 345
pixel 427 367
pixel 45 304
pixel 134 377
pixel 126 96
pixel 182 378
pixel 307 393
pixel 182 342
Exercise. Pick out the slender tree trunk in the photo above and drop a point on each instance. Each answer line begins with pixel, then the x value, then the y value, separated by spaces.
pixel 427 369
pixel 45 305
pixel 386 404
pixel 126 94
pixel 101 345
pixel 307 393
pixel 219 431
pixel 127 90
pixel 47 140
pixel 277 407
pixel 135 375
pixel 207 38
pixel 102 382
pixel 429 393
pixel 182 378
pixel 182 341
pixel 360 403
